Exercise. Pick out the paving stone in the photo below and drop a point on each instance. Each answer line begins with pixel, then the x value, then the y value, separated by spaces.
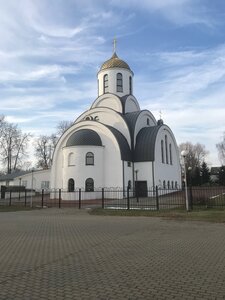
pixel 69 254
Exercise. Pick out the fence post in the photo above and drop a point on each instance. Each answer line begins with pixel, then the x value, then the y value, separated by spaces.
pixel 42 198
pixel 190 198
pixel 59 198
pixel 79 198
pixel 25 197
pixel 157 197
pixel 128 198
pixel 10 198
pixel 103 199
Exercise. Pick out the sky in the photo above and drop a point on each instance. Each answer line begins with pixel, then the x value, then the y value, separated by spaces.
pixel 51 51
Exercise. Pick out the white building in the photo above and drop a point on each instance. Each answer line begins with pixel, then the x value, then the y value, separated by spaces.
pixel 115 143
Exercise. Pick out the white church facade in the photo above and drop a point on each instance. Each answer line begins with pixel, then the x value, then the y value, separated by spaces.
pixel 115 143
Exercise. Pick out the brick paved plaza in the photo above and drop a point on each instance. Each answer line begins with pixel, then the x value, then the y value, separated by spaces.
pixel 69 254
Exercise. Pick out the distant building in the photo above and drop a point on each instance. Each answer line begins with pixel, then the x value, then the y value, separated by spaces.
pixel 115 143
pixel 37 179
pixel 214 174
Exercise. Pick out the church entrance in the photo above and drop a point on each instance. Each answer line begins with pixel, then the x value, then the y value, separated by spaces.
pixel 141 188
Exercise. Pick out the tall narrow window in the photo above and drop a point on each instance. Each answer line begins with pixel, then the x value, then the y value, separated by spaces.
pixel 89 185
pixel 119 83
pixel 71 159
pixel 147 121
pixel 106 83
pixel 164 184
pixel 71 185
pixel 168 184
pixel 171 158
pixel 166 145
pixel 89 159
pixel 130 85
pixel 162 151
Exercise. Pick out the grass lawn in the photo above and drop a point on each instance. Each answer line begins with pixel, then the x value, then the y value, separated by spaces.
pixel 14 208
pixel 208 215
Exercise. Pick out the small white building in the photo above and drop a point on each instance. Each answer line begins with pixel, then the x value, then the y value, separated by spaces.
pixel 115 143
pixel 36 179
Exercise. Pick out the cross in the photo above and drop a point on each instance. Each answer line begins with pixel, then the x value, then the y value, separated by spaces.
pixel 114 45
pixel 160 114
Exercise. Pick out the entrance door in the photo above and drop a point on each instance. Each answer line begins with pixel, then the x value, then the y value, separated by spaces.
pixel 141 188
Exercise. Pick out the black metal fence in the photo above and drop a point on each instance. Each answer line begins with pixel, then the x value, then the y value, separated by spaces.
pixel 116 198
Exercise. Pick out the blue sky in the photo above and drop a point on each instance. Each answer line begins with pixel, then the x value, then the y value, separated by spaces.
pixel 51 50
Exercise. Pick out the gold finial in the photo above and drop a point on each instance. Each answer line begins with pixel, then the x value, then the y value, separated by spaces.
pixel 114 45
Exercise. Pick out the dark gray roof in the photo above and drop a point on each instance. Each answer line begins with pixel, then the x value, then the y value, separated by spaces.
pixel 131 119
pixel 123 100
pixel 84 137
pixel 145 144
pixel 123 144
pixel 13 175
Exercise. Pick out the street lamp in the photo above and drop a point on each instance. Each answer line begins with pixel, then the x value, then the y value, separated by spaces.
pixel 184 154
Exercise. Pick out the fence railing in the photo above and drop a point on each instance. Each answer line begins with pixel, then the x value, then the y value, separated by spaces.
pixel 117 198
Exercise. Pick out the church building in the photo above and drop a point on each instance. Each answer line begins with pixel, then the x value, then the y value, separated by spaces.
pixel 115 143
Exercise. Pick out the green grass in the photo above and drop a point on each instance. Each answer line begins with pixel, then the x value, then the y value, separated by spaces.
pixel 14 208
pixel 208 215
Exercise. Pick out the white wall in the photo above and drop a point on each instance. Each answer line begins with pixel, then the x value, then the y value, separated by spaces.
pixel 38 177
pixel 112 81
pixel 79 171
pixel 108 169
pixel 144 173
pixel 109 117
pixel 165 171
pixel 131 104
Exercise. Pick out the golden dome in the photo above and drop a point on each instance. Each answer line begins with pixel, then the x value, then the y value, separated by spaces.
pixel 114 62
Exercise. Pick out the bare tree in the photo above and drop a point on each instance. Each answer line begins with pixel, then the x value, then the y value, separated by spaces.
pixel 13 145
pixel 221 150
pixel 44 147
pixel 196 154
pixel 62 127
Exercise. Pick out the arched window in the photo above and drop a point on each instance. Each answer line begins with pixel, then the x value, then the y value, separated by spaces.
pixel 105 83
pixel 166 145
pixel 130 85
pixel 168 184
pixel 175 184
pixel 89 159
pixel 71 161
pixel 162 151
pixel 119 82
pixel 129 184
pixel 71 185
pixel 147 121
pixel 164 184
pixel 89 185
pixel 171 158
pixel 172 185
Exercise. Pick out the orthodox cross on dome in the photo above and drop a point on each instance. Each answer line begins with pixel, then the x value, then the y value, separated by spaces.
pixel 160 115
pixel 114 45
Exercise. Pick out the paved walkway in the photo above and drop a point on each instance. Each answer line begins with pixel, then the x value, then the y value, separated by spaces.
pixel 68 254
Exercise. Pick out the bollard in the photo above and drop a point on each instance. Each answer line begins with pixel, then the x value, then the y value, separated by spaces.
pixel 103 200
pixel 42 198
pixel 25 198
pixel 10 198
pixel 79 198
pixel 59 198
